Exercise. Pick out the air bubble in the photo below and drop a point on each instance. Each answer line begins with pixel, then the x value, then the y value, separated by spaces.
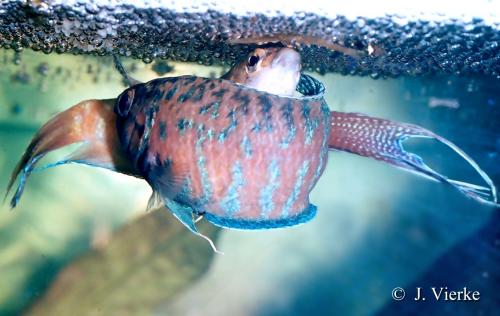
pixel 414 47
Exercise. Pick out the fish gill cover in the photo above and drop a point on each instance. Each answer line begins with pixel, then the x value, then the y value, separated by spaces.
pixel 358 38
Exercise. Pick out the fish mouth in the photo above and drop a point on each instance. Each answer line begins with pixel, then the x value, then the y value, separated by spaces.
pixel 288 58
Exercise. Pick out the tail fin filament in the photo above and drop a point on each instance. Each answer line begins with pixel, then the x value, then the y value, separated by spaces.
pixel 382 140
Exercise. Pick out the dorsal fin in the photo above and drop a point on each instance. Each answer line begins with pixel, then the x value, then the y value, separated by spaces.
pixel 128 79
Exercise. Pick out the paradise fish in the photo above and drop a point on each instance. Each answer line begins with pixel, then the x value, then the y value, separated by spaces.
pixel 241 157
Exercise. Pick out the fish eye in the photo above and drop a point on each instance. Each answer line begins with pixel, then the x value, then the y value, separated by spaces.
pixel 252 62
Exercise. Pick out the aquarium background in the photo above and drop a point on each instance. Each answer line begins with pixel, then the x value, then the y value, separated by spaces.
pixel 81 242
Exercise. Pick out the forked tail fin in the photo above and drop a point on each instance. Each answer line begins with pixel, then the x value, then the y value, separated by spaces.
pixel 91 123
pixel 382 139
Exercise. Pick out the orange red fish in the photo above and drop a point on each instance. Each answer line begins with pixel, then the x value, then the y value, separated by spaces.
pixel 243 151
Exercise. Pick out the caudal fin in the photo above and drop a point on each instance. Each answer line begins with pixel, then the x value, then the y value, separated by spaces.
pixel 382 139
pixel 91 123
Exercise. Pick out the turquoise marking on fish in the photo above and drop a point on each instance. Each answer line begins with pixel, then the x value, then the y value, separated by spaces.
pixel 287 111
pixel 231 203
pixel 203 173
pixel 215 112
pixel 246 147
pixel 210 134
pixel 267 193
pixel 311 124
pixel 301 173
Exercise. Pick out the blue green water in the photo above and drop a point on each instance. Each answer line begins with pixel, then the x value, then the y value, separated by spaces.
pixel 377 227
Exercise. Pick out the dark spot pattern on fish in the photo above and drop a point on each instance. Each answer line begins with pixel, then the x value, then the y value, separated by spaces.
pixel 201 137
pixel 187 95
pixel 233 122
pixel 243 101
pixel 219 93
pixel 287 115
pixel 183 97
pixel 306 110
pixel 199 93
pixel 310 124
pixel 166 162
pixel 183 124
pixel 188 79
pixel 256 128
pixel 265 109
pixel 215 112
pixel 157 96
pixel 163 130
pixel 170 93
pixel 204 109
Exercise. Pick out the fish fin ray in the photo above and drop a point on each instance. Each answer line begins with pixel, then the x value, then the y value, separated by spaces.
pixel 184 214
pixel 382 139
pixel 25 172
pixel 94 154
pixel 470 190
pixel 154 201
pixel 90 121
pixel 163 176
pixel 211 243
pixel 130 81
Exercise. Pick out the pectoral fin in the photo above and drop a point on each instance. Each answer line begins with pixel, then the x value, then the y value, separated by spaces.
pixel 183 213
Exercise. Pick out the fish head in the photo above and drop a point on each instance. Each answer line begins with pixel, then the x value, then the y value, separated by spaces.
pixel 274 70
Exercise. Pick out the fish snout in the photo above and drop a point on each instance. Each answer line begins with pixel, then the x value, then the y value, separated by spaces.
pixel 288 58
